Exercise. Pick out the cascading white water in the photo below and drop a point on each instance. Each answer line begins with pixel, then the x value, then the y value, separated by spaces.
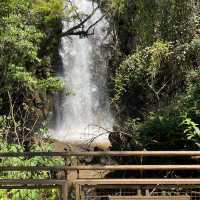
pixel 81 114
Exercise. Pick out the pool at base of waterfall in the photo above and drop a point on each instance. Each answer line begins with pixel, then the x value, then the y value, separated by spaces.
pixel 81 138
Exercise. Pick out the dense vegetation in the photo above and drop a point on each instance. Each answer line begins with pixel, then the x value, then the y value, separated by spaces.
pixel 30 34
pixel 154 73
pixel 27 67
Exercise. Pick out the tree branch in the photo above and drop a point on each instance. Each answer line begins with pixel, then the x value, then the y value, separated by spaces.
pixel 79 29
pixel 13 117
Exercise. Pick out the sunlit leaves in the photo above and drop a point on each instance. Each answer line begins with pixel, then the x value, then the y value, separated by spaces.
pixel 50 9
pixel 20 161
pixel 51 83
pixel 141 68
pixel 117 5
pixel 20 41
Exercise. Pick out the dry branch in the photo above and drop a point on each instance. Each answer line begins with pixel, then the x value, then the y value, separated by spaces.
pixel 80 29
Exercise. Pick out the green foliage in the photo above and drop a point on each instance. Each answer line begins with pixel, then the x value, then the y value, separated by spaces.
pixel 20 76
pixel 192 130
pixel 181 26
pixel 27 78
pixel 173 127
pixel 162 132
pixel 50 9
pixel 35 161
pixel 17 74
pixel 142 71
pixel 51 84
pixel 157 82
pixel 26 67
pixel 116 5
pixel 155 72
pixel 19 45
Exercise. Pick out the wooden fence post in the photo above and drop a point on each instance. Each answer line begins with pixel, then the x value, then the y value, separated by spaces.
pixel 65 191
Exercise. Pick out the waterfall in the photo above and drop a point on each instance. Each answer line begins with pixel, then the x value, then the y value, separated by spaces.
pixel 81 113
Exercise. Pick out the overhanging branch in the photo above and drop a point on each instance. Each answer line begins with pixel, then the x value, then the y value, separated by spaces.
pixel 80 28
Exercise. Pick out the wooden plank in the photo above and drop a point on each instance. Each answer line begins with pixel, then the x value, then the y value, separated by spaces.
pixel 145 187
pixel 100 167
pixel 102 153
pixel 31 182
pixel 149 197
pixel 33 154
pixel 65 191
pixel 77 190
pixel 138 153
pixel 136 167
pixel 31 168
pixel 138 181
pixel 21 187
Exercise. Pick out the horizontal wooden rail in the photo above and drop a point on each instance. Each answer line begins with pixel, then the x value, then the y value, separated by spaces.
pixel 22 187
pixel 36 184
pixel 31 182
pixel 138 181
pixel 32 154
pixel 147 197
pixel 32 168
pixel 100 167
pixel 136 167
pixel 103 153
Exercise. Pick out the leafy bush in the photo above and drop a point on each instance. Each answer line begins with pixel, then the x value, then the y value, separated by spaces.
pixel 51 10
pixel 175 126
pixel 141 69
pixel 24 194
pixel 152 76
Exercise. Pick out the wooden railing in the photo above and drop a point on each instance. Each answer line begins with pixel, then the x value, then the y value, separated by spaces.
pixel 103 153
pixel 16 183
